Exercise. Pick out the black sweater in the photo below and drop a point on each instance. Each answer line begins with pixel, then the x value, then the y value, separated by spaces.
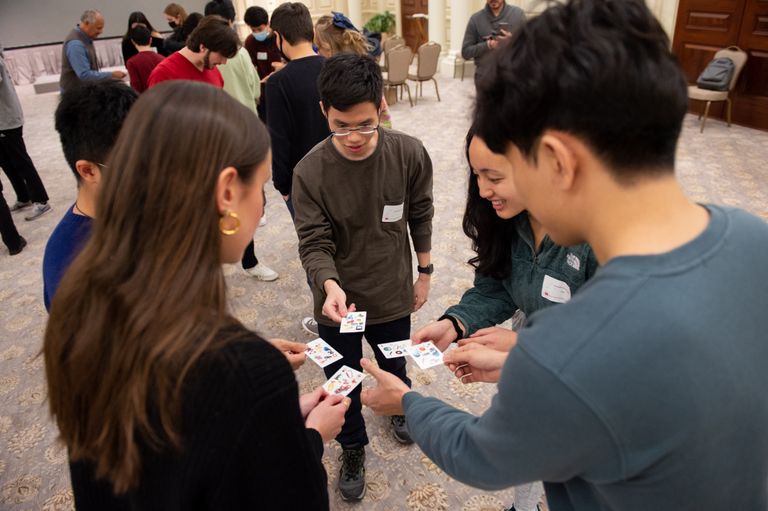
pixel 244 443
pixel 295 121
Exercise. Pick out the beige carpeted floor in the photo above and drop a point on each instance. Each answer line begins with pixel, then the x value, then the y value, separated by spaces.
pixel 724 165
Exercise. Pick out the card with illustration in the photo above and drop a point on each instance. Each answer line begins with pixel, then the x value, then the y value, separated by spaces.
pixel 322 353
pixel 354 322
pixel 426 355
pixel 395 349
pixel 343 381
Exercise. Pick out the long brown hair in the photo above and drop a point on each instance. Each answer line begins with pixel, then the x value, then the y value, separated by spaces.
pixel 339 40
pixel 146 296
pixel 175 10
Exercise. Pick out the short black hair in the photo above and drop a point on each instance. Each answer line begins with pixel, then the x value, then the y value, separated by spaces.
pixel 223 8
pixel 256 16
pixel 141 35
pixel 293 22
pixel 89 118
pixel 347 79
pixel 598 69
pixel 215 34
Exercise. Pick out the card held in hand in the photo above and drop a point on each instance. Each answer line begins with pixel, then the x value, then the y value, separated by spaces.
pixel 322 353
pixel 426 355
pixel 395 349
pixel 353 322
pixel 343 381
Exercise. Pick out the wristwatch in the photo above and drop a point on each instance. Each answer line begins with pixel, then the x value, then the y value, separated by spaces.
pixel 426 270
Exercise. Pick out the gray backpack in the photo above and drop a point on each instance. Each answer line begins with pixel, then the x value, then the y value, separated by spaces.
pixel 717 75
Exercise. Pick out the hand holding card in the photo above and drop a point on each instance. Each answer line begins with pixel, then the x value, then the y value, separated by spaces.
pixel 353 322
pixel 343 381
pixel 321 353
pixel 426 355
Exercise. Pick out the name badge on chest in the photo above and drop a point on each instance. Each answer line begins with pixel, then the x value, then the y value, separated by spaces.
pixel 261 55
pixel 555 290
pixel 392 213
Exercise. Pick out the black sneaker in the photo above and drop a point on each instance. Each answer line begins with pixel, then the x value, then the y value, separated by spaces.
pixel 18 249
pixel 352 473
pixel 400 430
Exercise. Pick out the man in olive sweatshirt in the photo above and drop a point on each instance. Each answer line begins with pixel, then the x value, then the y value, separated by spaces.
pixel 357 195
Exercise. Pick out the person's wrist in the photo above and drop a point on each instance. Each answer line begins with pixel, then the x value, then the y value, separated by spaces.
pixel 424 277
pixel 455 323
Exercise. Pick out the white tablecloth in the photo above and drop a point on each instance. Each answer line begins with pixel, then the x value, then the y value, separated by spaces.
pixel 26 64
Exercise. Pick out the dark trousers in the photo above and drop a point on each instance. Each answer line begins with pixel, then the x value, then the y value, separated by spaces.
pixel 8 232
pixel 249 256
pixel 17 164
pixel 351 348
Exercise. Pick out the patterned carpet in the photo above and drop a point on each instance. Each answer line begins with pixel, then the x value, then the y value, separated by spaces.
pixel 724 165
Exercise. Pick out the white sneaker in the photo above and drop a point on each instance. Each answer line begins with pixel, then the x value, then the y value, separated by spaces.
pixel 263 220
pixel 39 209
pixel 310 325
pixel 262 272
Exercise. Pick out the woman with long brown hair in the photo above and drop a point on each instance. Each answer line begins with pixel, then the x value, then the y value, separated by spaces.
pixel 163 399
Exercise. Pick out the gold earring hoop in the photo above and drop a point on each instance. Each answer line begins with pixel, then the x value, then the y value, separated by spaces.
pixel 231 230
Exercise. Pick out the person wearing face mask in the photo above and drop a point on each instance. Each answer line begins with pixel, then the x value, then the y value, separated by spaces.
pixel 176 16
pixel 211 43
pixel 263 50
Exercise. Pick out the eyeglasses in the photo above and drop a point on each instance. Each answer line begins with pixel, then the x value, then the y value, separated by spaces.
pixel 362 130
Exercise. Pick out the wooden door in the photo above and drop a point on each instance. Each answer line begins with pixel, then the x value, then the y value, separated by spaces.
pixel 705 26
pixel 415 31
pixel 750 103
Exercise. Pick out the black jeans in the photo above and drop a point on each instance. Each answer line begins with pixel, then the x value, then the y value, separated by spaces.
pixel 8 232
pixel 351 348
pixel 19 168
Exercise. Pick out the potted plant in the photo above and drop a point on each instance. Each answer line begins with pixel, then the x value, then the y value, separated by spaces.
pixel 383 23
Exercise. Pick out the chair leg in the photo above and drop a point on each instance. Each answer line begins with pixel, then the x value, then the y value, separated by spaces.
pixel 436 89
pixel 415 94
pixel 729 111
pixel 408 90
pixel 706 113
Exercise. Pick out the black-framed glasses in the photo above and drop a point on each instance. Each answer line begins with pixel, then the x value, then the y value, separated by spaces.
pixel 362 130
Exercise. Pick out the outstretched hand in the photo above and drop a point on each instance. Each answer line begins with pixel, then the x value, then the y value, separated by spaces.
pixel 497 338
pixel 387 397
pixel 474 363
pixel 293 351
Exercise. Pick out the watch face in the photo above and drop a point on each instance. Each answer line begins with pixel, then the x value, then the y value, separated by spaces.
pixel 426 269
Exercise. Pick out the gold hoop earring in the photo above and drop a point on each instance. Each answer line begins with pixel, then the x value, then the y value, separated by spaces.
pixel 232 230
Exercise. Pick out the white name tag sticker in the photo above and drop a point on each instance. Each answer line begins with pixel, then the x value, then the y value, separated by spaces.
pixel 555 290
pixel 392 213
pixel 261 55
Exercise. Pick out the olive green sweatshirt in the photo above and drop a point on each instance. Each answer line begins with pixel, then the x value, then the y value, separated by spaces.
pixel 353 219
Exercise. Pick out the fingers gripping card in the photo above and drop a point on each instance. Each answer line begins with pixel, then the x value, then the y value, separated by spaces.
pixel 354 322
pixel 426 355
pixel 395 349
pixel 322 353
pixel 343 381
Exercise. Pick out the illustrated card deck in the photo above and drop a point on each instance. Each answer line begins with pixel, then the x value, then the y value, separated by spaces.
pixel 354 322
pixel 395 349
pixel 343 381
pixel 322 353
pixel 426 355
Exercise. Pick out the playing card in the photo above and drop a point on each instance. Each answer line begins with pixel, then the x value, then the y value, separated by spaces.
pixel 322 353
pixel 353 322
pixel 426 355
pixel 395 349
pixel 343 381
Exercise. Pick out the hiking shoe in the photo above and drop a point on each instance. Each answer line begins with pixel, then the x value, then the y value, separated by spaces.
pixel 262 272
pixel 352 473
pixel 21 205
pixel 400 430
pixel 310 325
pixel 18 249
pixel 38 210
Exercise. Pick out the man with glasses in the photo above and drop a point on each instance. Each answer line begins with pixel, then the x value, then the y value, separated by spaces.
pixel 356 196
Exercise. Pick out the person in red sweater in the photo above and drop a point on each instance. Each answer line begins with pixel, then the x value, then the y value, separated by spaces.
pixel 209 45
pixel 140 66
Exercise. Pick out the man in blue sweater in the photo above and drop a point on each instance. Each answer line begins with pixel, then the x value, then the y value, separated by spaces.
pixel 647 391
